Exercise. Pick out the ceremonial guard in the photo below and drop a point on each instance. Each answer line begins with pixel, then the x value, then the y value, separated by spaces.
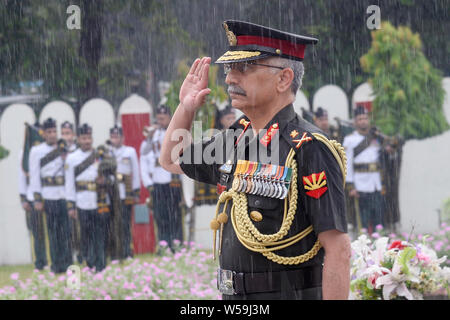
pixel 81 196
pixel 164 187
pixel 128 177
pixel 34 219
pixel 364 180
pixel 46 165
pixel 68 135
pixel 280 217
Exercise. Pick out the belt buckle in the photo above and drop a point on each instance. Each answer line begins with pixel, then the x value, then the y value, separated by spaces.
pixel 225 282
pixel 59 180
pixel 91 186
pixel 372 167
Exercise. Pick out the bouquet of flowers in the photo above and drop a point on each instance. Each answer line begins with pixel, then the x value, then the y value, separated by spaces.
pixel 399 270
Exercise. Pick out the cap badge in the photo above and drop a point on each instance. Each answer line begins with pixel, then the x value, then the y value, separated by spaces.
pixel 230 35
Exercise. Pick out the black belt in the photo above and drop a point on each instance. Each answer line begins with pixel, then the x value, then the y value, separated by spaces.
pixel 52 181
pixel 85 186
pixel 260 282
pixel 366 167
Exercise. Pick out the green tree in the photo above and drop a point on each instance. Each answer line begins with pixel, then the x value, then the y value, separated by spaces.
pixel 408 89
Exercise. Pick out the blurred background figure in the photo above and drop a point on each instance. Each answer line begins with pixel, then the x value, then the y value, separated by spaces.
pixel 68 135
pixel 164 187
pixel 320 119
pixel 46 165
pixel 225 118
pixel 362 148
pixel 129 183
pixel 36 223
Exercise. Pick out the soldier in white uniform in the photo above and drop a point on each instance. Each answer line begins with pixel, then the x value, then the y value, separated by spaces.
pixel 34 219
pixel 129 183
pixel 68 135
pixel 46 165
pixel 363 169
pixel 164 187
pixel 81 197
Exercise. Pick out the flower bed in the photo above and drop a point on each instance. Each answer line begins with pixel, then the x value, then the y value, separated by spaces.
pixel 187 274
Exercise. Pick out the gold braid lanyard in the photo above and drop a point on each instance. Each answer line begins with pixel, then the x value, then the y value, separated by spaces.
pixel 249 235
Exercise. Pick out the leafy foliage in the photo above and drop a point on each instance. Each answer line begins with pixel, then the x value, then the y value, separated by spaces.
pixel 408 90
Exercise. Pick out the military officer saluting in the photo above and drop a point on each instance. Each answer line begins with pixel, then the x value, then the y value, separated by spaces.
pixel 363 169
pixel 129 183
pixel 46 165
pixel 281 213
pixel 81 196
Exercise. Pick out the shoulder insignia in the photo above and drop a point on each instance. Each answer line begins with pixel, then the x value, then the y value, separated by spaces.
pixel 294 133
pixel 315 184
pixel 300 141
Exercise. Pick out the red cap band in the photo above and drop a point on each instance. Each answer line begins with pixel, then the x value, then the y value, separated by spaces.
pixel 286 47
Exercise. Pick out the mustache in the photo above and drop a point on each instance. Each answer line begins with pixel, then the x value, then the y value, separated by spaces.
pixel 236 90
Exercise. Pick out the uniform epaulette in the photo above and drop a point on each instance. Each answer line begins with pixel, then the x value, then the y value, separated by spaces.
pixel 296 136
pixel 240 123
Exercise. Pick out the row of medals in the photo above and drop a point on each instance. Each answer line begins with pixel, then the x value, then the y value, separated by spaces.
pixel 261 182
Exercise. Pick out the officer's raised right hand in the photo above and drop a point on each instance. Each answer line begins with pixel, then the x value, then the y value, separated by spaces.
pixel 194 89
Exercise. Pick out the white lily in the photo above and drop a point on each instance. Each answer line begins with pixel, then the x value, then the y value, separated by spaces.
pixel 394 282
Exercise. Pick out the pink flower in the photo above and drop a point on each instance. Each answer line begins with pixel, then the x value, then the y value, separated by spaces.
pixel 107 297
pixel 15 276
pixel 163 243
pixel 12 290
pixel 379 227
pixel 423 257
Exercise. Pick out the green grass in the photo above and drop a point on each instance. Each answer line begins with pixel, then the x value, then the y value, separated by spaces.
pixel 26 270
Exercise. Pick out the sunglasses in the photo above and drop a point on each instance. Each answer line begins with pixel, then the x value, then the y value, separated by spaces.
pixel 242 67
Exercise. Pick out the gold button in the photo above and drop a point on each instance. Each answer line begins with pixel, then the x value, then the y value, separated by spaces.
pixel 256 216
pixel 275 125
pixel 278 51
